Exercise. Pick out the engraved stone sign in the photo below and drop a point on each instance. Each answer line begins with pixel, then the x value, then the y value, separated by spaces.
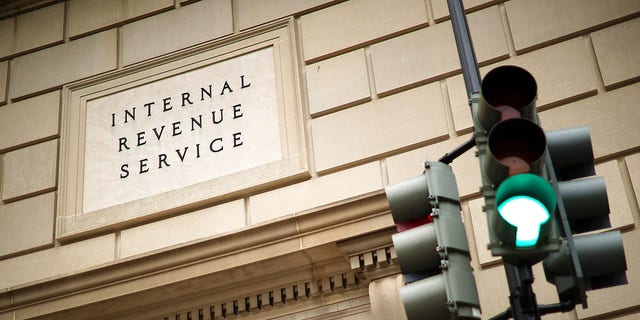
pixel 181 130
pixel 184 131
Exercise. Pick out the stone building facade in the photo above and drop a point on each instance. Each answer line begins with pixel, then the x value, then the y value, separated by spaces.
pixel 226 159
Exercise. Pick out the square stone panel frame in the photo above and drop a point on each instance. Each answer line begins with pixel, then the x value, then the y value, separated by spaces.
pixel 73 223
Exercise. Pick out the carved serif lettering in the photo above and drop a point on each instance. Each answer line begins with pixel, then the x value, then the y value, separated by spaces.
pixel 181 130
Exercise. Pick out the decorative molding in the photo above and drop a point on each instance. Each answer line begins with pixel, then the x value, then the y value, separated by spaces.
pixel 375 264
pixel 372 256
pixel 255 260
pixel 254 303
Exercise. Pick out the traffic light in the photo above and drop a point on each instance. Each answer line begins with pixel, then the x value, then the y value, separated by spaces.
pixel 539 190
pixel 432 246
pixel 519 201
pixel 584 262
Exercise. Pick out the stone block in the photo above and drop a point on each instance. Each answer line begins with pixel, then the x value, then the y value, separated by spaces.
pixel 58 261
pixel 27 224
pixel 612 118
pixel 207 20
pixel 431 53
pixel 323 31
pixel 29 120
pixel 562 71
pixel 372 129
pixel 71 61
pixel 32 30
pixel 252 13
pixel 535 23
pixel 89 15
pixel 315 192
pixel 422 55
pixel 181 229
pixel 29 170
pixel 337 82
pixel 38 28
pixel 617 52
pixel 7 36
pixel 487 34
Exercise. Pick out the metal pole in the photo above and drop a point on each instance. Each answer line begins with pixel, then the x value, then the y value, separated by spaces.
pixel 519 277
pixel 466 53
pixel 522 299
pixel 458 151
pixel 470 71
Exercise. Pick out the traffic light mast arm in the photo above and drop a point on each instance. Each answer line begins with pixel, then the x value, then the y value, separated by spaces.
pixel 458 151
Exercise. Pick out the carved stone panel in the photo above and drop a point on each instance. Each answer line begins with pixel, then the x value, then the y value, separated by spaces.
pixel 197 127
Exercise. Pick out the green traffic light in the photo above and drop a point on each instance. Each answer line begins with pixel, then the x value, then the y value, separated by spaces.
pixel 527 215
pixel 525 202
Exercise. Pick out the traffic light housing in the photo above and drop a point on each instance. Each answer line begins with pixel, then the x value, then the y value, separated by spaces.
pixel 542 185
pixel 432 246
pixel 519 201
pixel 584 262
pixel 525 203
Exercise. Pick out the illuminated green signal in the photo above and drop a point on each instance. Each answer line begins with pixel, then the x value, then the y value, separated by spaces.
pixel 527 215
pixel 525 203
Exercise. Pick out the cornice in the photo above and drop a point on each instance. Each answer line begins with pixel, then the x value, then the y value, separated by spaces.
pixel 264 257
pixel 372 256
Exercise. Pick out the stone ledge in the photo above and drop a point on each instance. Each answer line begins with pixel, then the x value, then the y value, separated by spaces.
pixel 265 254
